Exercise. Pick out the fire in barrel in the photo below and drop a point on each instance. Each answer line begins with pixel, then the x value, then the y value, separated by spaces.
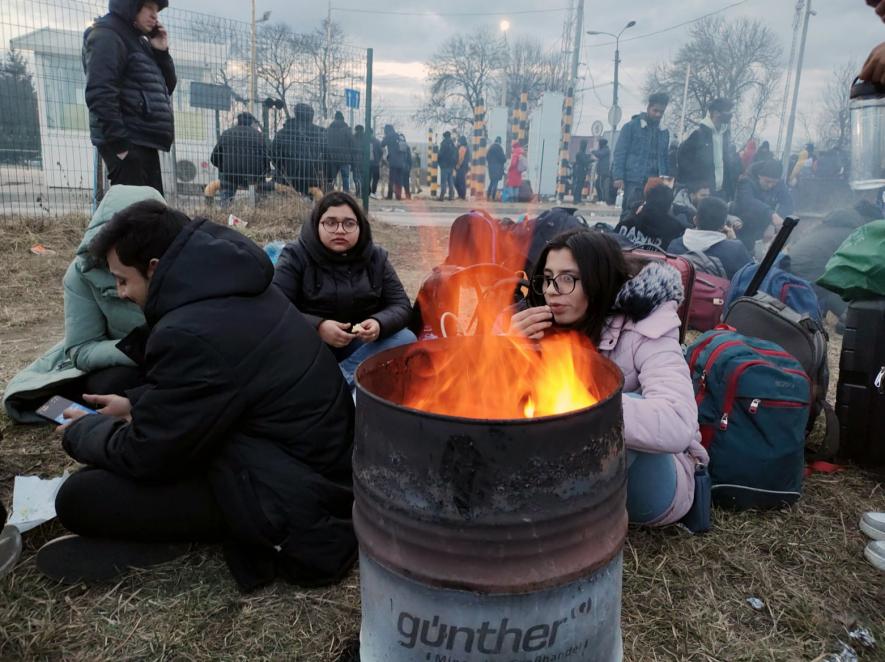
pixel 490 486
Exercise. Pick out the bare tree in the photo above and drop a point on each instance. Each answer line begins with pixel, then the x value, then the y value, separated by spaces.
pixel 466 69
pixel 325 67
pixel 532 68
pixel 739 60
pixel 834 123
pixel 278 53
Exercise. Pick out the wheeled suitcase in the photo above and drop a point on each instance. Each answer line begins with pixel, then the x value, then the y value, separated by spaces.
pixel 759 315
pixel 860 393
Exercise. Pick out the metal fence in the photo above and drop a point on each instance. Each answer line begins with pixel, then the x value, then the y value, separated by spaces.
pixel 48 164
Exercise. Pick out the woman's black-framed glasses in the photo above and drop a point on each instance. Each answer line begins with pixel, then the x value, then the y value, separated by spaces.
pixel 348 225
pixel 562 284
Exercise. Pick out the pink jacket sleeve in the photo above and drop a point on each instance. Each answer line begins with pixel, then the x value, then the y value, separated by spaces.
pixel 665 418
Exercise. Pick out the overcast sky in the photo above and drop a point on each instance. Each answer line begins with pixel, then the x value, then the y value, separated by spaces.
pixel 841 30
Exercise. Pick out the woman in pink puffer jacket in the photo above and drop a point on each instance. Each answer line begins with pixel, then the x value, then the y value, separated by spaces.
pixel 581 282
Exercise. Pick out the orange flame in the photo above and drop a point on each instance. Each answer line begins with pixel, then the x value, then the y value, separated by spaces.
pixel 501 377
pixel 493 376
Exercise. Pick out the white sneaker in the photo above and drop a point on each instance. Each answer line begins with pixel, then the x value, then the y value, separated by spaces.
pixel 875 553
pixel 873 525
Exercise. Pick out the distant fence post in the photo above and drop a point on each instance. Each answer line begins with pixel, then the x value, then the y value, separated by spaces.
pixel 523 118
pixel 367 150
pixel 97 179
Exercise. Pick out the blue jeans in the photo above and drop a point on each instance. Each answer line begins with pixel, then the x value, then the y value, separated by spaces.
pixel 651 485
pixel 357 351
pixel 446 183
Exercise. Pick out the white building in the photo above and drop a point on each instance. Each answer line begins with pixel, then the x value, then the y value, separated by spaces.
pixel 68 155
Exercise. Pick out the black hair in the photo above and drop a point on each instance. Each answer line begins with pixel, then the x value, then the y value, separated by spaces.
pixel 139 233
pixel 694 187
pixel 447 134
pixel 659 198
pixel 246 119
pixel 659 99
pixel 721 105
pixel 583 145
pixel 712 213
pixel 603 273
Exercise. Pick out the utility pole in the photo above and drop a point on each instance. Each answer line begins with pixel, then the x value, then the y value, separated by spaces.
pixel 253 88
pixel 576 52
pixel 684 103
pixel 788 145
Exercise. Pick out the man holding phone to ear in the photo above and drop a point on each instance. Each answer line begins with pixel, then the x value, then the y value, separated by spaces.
pixel 130 78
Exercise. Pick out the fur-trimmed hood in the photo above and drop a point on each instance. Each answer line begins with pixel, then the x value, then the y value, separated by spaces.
pixel 654 285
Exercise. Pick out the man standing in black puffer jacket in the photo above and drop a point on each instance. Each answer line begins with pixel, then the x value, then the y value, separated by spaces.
pixel 130 77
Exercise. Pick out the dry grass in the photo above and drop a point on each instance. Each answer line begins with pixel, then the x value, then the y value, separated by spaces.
pixel 684 596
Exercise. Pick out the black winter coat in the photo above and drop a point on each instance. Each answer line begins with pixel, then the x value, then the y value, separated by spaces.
pixel 299 151
pixel 755 206
pixel 396 158
pixel 350 287
pixel 695 159
pixel 652 227
pixel 448 154
pixel 339 139
pixel 241 151
pixel 496 160
pixel 240 388
pixel 128 83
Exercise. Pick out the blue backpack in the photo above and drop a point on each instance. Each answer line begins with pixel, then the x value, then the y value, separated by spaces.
pixel 753 405
pixel 795 292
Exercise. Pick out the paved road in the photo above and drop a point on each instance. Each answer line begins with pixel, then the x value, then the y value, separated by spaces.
pixel 430 213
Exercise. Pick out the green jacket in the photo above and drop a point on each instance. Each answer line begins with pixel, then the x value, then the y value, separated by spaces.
pixel 95 319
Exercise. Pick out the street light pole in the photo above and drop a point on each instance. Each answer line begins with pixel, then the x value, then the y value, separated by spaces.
pixel 615 113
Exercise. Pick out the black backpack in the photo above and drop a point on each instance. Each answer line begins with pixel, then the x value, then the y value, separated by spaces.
pixel 548 225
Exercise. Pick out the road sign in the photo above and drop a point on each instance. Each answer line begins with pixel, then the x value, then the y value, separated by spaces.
pixel 351 97
pixel 213 97
pixel 614 115
pixel 596 129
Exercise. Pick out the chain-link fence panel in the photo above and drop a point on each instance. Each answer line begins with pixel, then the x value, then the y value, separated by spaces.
pixel 261 113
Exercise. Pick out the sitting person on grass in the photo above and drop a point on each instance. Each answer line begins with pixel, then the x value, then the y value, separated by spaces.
pixel 581 282
pixel 242 435
pixel 87 360
pixel 344 284
pixel 713 238
pixel 653 224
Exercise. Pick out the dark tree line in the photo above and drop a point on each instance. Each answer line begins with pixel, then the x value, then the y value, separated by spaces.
pixel 19 121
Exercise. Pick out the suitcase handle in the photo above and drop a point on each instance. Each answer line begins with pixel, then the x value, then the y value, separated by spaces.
pixel 776 247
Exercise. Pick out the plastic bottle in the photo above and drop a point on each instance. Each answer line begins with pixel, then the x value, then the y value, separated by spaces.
pixel 619 201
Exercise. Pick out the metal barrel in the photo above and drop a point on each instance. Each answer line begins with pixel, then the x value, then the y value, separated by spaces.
pixel 486 539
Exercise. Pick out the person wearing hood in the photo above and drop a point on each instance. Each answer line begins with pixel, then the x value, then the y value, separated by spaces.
pixel 713 237
pixel 130 78
pixel 462 167
pixel 707 155
pixel 396 162
pixel 762 154
pixel 602 156
pixel 518 166
pixel 345 285
pixel 243 434
pixel 581 281
pixel 340 143
pixel 240 156
pixel 361 148
pixel 653 223
pixel 447 159
pixel 809 253
pixel 580 170
pixel 642 150
pixel 496 158
pixel 299 151
pixel 87 360
pixel 762 201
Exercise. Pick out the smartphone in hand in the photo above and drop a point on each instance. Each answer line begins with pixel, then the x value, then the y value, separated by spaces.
pixel 53 409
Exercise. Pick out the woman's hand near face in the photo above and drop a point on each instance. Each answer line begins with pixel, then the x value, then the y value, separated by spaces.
pixel 335 334
pixel 531 322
